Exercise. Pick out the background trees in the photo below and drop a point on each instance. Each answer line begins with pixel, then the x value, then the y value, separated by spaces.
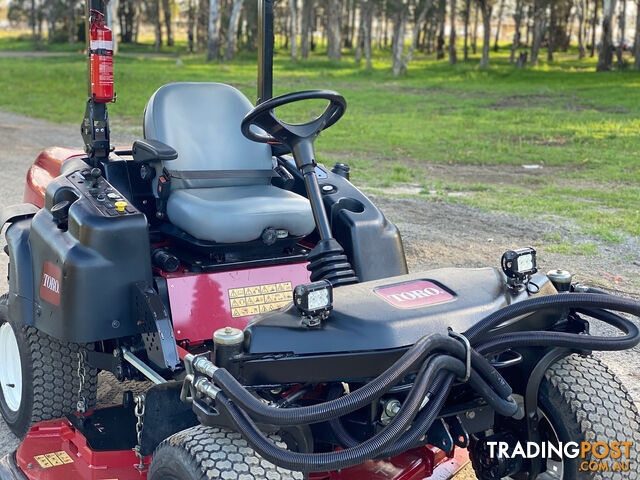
pixel 402 29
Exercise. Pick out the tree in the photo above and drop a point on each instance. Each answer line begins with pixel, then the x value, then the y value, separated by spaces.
pixel 539 19
pixel 166 9
pixel 400 15
pixel 231 31
pixel 305 27
pixel 334 34
pixel 636 43
pixel 593 28
pixel 517 23
pixel 486 7
pixel 294 29
pixel 467 19
pixel 213 46
pixel 453 57
pixel 367 6
pixel 499 27
pixel 442 19
pixel 191 23
pixel 582 10
pixel 474 43
pixel 605 53
pixel 71 19
pixel 622 20
pixel 417 27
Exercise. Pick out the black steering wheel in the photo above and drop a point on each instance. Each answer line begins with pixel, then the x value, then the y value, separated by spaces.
pixel 299 139
pixel 263 116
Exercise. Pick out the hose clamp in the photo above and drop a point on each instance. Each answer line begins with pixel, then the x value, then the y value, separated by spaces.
pixel 467 346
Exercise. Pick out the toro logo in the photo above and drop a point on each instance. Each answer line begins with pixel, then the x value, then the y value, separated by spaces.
pixel 50 284
pixel 419 293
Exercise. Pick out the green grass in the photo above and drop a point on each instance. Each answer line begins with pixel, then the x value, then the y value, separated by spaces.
pixel 582 127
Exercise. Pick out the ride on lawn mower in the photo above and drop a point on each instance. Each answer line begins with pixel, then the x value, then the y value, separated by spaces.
pixel 269 302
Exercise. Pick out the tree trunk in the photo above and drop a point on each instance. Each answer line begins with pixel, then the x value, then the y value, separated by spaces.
pixel 636 43
pixel 605 54
pixel 213 47
pixel 294 29
pixel 467 18
pixel 32 20
pixel 397 42
pixel 517 22
pixel 360 35
pixel 538 30
pixel 453 55
pixel 486 8
pixel 623 32
pixel 496 47
pixel 233 27
pixel 191 23
pixel 552 31
pixel 334 23
pixel 158 25
pixel 442 18
pixel 72 23
pixel 51 20
pixel 368 25
pixel 593 28
pixel 581 14
pixel 166 8
pixel 305 30
pixel 474 43
pixel 416 33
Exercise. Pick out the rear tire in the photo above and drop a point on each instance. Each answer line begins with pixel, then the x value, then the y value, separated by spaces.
pixel 47 370
pixel 203 453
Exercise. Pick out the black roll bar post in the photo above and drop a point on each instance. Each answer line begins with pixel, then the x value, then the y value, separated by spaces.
pixel 265 50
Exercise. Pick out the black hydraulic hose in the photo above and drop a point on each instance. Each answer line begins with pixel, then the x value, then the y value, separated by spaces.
pixel 336 408
pixel 569 340
pixel 312 462
pixel 564 300
pixel 412 437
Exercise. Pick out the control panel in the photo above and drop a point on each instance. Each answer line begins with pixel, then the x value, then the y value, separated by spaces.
pixel 101 193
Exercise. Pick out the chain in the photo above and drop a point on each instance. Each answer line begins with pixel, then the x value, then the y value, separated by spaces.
pixel 81 405
pixel 139 413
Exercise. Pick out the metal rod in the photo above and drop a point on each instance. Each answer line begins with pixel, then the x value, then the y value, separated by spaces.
pixel 142 367
pixel 265 50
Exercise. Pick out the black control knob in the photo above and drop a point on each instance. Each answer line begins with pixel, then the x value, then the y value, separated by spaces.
pixel 60 213
pixel 341 169
pixel 164 260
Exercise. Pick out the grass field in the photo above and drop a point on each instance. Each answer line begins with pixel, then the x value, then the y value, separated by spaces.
pixel 440 132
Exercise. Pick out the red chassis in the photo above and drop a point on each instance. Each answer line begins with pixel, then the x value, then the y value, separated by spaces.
pixel 56 450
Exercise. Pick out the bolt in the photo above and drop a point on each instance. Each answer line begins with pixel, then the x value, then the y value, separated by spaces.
pixel 228 330
pixel 471 415
pixel 115 324
pixel 392 407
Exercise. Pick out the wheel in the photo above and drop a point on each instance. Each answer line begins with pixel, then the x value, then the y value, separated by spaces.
pixel 583 401
pixel 203 453
pixel 580 400
pixel 38 375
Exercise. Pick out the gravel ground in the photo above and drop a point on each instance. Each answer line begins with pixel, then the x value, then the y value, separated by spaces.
pixel 435 234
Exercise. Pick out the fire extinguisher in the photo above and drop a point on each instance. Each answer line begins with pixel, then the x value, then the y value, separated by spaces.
pixel 101 51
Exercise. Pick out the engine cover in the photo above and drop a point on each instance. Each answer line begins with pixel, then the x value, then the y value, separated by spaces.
pixel 382 318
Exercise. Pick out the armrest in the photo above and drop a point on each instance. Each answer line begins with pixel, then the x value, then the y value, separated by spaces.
pixel 152 151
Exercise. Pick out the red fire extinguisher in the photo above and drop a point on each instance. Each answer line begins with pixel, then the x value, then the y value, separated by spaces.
pixel 101 48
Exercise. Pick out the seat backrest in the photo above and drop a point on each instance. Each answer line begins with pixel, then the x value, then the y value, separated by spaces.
pixel 201 121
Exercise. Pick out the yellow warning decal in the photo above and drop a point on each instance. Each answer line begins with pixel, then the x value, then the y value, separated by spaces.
pixel 53 459
pixel 257 299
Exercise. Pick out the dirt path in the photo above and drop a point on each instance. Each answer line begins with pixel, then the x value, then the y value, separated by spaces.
pixel 435 234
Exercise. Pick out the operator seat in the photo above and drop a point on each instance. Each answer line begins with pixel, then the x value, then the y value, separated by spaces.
pixel 221 181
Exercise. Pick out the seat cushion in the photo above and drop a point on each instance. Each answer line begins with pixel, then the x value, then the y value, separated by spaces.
pixel 239 214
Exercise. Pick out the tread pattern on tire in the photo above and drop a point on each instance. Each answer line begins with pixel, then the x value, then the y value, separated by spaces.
pixel 600 405
pixel 222 454
pixel 55 374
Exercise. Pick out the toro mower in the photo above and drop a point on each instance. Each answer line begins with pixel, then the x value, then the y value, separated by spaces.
pixel 269 303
